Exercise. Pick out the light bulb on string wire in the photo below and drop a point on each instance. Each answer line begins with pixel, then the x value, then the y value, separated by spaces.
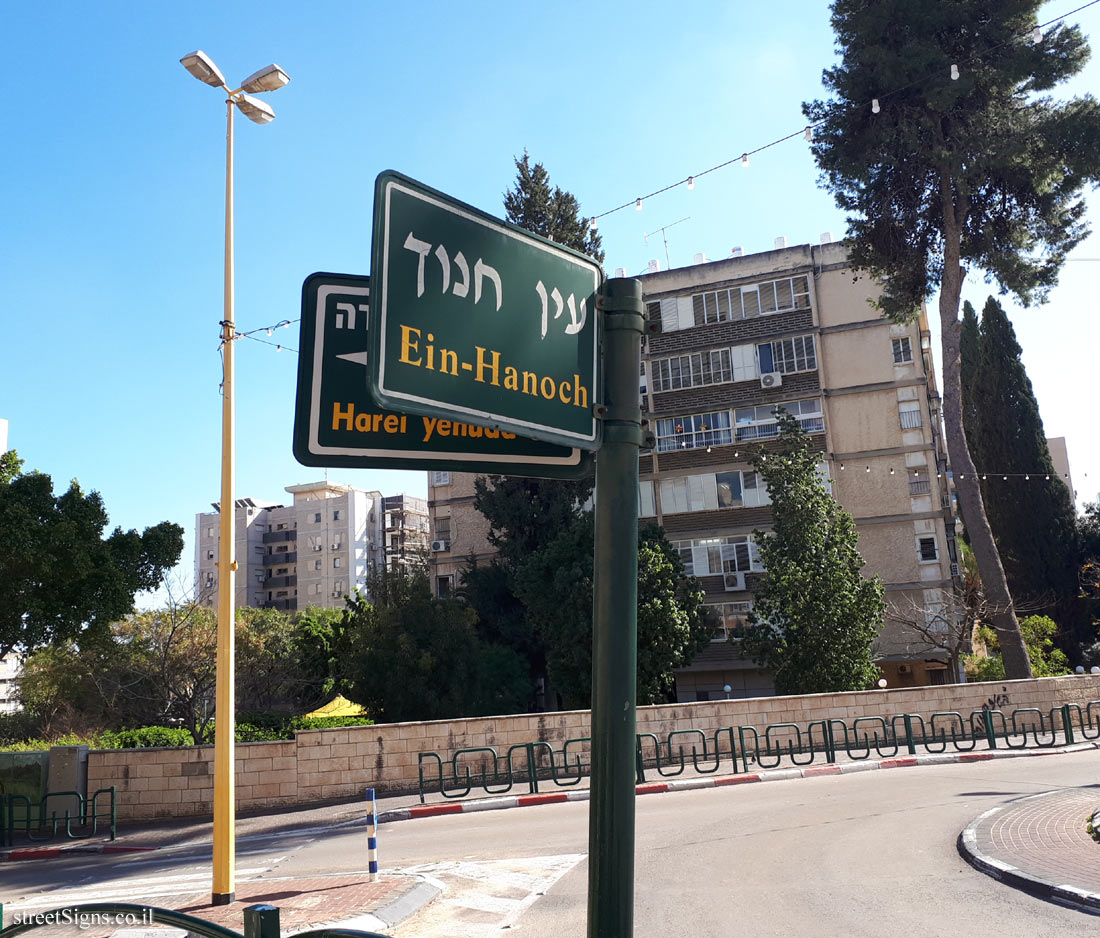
pixel 954 72
pixel 875 106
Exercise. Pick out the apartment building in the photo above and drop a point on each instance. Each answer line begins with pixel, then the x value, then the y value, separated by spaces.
pixel 10 666
pixel 313 551
pixel 795 327
pixel 739 337
pixel 459 532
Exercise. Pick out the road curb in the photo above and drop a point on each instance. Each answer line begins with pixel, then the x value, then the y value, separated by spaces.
pixel 48 853
pixel 1031 883
pixel 687 784
pixel 394 912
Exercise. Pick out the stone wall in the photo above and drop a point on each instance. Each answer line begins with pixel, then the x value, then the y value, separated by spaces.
pixel 322 765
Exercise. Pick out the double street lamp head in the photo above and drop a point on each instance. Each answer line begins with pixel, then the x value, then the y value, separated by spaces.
pixel 268 78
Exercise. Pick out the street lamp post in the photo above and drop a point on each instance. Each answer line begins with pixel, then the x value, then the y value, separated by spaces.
pixel 269 78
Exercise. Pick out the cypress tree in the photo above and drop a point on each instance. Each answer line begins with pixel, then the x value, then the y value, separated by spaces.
pixel 1033 519
pixel 968 370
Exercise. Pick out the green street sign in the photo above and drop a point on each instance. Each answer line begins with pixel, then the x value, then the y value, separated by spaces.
pixel 480 321
pixel 337 423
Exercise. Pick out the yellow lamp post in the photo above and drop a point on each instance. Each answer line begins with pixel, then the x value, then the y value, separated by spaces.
pixel 269 78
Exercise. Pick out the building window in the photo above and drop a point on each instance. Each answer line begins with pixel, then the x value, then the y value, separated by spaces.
pixel 909 412
pixel 713 556
pixel 692 371
pixel 919 483
pixel 443 529
pixel 642 385
pixel 336 515
pixel 210 532
pixel 761 422
pixel 441 478
pixel 317 564
pixel 209 555
pixel 788 355
pixel 337 562
pixel 693 432
pixel 443 586
pixel 317 517
pixel 926 548
pixel 647 506
pixel 773 296
pixel 733 619
pixel 729 489
pixel 903 350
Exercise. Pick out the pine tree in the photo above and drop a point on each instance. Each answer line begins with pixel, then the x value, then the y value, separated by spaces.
pixel 552 213
pixel 938 175
pixel 815 618
pixel 1033 520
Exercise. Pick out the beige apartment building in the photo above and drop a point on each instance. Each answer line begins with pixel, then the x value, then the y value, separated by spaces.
pixel 738 338
pixel 314 551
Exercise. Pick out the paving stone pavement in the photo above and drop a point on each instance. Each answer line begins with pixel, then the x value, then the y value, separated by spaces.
pixel 1040 844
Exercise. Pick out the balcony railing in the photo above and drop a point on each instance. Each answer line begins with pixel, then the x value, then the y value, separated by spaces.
pixel 920 486
pixel 274 560
pixel 274 537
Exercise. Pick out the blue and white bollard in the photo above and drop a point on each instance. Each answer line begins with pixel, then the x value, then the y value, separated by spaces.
pixel 372 836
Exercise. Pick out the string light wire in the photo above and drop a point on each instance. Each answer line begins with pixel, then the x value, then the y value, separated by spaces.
pixel 807 131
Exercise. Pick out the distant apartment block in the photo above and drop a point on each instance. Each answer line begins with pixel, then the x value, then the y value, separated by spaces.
pixel 314 551
pixel 739 338
pixel 10 666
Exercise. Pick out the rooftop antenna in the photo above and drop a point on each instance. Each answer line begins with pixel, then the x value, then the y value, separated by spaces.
pixel 646 234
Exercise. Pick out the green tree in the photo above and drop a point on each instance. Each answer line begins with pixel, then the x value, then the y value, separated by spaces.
pixel 984 172
pixel 59 576
pixel 415 657
pixel 1039 632
pixel 814 618
pixel 551 212
pixel 322 642
pixel 1033 520
pixel 673 625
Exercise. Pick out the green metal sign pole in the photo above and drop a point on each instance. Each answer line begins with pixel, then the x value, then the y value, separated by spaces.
pixel 615 619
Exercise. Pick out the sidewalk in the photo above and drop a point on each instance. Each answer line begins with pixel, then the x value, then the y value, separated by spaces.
pixel 1039 844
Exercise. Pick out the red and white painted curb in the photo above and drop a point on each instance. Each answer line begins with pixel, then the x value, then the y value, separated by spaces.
pixel 720 781
pixel 48 853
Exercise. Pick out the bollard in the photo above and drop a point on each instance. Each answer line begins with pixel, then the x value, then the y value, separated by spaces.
pixel 1067 724
pixel 372 836
pixel 261 921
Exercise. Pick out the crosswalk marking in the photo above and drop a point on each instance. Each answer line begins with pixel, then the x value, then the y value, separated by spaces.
pixel 122 888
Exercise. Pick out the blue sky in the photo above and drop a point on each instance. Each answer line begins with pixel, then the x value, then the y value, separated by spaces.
pixel 113 187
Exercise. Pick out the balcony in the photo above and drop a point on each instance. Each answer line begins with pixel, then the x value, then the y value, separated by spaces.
pixel 274 537
pixel 286 605
pixel 277 582
pixel 274 560
pixel 920 486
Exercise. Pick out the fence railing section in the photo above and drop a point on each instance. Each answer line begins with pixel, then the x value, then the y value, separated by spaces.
pixel 65 814
pixel 735 749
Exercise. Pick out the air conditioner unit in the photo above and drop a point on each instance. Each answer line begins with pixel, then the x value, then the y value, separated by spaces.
pixel 317 547
pixel 337 594
pixel 734 581
pixel 771 379
pixel 441 545
pixel 904 669
pixel 335 545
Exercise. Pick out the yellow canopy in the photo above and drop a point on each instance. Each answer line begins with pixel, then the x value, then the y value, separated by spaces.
pixel 338 707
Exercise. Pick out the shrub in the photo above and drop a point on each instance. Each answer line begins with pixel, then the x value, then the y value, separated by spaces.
pixel 145 737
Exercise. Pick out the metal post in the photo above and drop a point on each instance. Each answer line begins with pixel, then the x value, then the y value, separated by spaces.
pixel 1067 724
pixel 261 921
pixel 224 705
pixel 372 836
pixel 615 619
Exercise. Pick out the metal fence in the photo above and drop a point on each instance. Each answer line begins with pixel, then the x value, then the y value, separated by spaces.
pixel 58 813
pixel 737 749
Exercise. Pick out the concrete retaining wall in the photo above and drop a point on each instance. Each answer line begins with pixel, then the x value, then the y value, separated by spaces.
pixel 321 765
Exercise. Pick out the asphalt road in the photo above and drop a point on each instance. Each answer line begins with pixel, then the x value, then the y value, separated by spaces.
pixel 867 854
